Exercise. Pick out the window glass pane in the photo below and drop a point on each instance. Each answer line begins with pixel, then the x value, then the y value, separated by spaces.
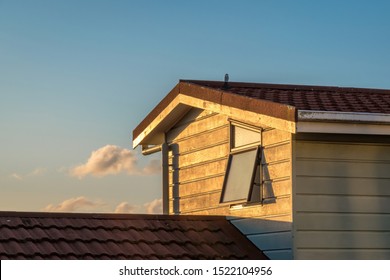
pixel 242 136
pixel 239 177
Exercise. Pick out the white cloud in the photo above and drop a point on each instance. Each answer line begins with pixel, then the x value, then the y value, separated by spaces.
pixel 153 167
pixel 38 172
pixel 112 160
pixel 16 176
pixel 73 204
pixel 154 207
pixel 107 160
pixel 125 207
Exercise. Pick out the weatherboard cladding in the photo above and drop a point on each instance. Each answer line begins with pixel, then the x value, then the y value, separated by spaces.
pixel 277 100
pixel 120 236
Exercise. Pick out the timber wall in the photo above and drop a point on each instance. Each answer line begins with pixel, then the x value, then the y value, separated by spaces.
pixel 198 152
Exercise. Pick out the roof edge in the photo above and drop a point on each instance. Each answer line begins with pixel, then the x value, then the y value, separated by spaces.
pixel 156 111
pixel 227 98
pixel 335 116
pixel 118 216
pixel 290 86
pixel 217 96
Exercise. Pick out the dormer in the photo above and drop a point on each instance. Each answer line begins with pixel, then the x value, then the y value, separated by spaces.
pixel 303 171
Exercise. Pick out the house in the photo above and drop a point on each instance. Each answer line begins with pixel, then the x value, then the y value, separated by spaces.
pixel 302 171
pixel 120 236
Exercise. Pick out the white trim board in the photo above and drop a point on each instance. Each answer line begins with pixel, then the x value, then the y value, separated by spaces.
pixel 306 115
pixel 343 122
pixel 343 128
pixel 154 132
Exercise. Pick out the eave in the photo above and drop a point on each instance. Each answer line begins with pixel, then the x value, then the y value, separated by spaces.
pixel 151 131
pixel 291 117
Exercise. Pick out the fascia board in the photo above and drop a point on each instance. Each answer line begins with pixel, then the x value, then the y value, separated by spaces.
pixel 182 103
pixel 153 133
pixel 343 122
pixel 239 114
pixel 348 117
pixel 343 128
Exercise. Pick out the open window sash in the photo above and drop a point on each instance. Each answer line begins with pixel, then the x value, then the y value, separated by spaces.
pixel 240 176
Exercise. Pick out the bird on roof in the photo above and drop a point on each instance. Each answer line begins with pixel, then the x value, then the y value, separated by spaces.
pixel 225 85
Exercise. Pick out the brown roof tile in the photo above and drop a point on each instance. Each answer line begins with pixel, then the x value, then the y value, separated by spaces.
pixel 124 236
pixel 341 99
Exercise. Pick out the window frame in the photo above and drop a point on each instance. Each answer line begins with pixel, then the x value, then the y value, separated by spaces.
pixel 257 166
pixel 252 128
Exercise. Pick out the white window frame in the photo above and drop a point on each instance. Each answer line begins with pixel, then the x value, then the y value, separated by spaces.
pixel 255 168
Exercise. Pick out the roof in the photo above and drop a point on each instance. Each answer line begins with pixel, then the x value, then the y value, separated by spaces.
pixel 312 98
pixel 281 105
pixel 26 235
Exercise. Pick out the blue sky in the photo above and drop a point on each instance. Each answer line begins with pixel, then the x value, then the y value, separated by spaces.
pixel 76 77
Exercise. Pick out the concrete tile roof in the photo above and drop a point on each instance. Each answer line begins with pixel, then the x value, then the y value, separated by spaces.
pixel 121 236
pixel 312 98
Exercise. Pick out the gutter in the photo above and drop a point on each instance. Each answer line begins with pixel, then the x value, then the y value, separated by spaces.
pixel 333 116
pixel 146 150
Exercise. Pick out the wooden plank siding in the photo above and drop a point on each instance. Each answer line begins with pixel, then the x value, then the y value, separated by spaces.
pixel 199 150
pixel 341 200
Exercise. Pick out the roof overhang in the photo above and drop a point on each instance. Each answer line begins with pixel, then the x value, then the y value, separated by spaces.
pixel 190 94
pixel 151 131
pixel 343 122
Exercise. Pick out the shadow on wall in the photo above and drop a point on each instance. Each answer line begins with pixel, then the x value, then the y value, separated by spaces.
pixel 175 177
pixel 268 194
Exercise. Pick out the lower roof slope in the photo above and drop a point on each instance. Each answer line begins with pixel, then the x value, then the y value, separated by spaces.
pixel 121 236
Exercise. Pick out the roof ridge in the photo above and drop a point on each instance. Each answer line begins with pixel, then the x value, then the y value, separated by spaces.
pixel 294 87
pixel 111 216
